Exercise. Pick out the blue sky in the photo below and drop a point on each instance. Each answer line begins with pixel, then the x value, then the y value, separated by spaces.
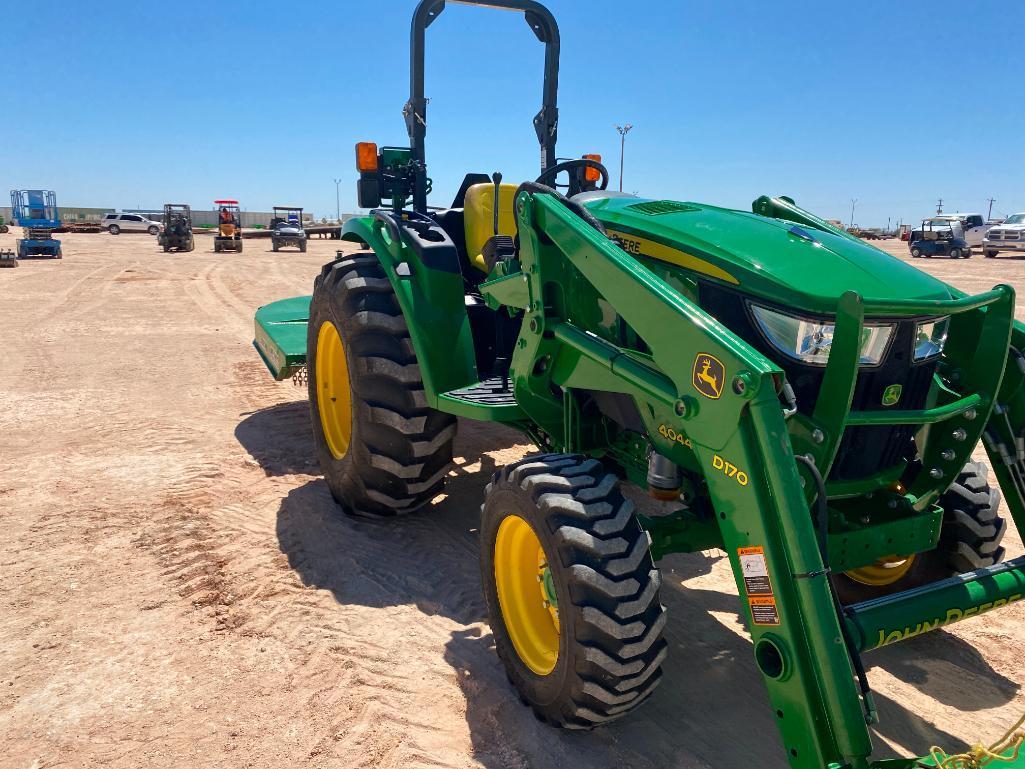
pixel 892 103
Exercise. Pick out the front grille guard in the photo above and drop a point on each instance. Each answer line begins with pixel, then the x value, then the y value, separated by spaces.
pixel 964 391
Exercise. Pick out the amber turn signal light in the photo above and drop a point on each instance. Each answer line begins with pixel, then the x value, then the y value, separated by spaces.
pixel 366 157
pixel 591 173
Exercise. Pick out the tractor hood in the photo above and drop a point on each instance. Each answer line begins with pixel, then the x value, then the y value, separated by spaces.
pixel 786 263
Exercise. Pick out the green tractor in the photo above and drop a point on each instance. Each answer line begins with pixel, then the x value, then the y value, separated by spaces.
pixel 794 397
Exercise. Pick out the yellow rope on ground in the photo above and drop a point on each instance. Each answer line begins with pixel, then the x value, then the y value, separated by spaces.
pixel 980 756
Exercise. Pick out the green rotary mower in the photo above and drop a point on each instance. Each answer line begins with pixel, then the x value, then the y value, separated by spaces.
pixel 795 397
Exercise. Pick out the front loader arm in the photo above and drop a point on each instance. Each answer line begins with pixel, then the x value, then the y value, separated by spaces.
pixel 738 435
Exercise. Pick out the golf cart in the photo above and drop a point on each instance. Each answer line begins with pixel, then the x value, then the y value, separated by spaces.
pixel 939 237
pixel 229 226
pixel 177 232
pixel 287 228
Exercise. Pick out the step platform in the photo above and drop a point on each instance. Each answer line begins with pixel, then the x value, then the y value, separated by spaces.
pixel 491 399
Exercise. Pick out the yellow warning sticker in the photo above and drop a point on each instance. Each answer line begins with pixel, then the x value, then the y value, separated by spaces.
pixel 763 610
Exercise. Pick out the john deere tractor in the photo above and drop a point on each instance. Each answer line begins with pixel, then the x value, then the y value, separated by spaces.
pixel 795 397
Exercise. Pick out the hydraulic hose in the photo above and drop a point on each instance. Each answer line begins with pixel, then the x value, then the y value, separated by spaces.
pixel 572 205
pixel 822 531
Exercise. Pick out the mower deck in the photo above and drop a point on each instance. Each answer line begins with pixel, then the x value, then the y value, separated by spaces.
pixel 281 335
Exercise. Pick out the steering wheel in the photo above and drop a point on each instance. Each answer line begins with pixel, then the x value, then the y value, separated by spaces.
pixel 548 177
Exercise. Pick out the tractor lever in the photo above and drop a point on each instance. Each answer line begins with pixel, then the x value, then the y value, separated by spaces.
pixel 496 177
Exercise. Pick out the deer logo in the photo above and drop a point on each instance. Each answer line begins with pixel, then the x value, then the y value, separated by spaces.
pixel 708 375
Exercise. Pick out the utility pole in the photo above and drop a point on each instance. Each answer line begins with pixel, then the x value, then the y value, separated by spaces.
pixel 989 214
pixel 338 207
pixel 854 202
pixel 623 131
pixel 939 206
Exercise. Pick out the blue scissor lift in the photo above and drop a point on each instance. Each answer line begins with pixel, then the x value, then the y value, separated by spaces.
pixel 36 211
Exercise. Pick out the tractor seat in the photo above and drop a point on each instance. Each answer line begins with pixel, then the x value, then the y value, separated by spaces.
pixel 479 222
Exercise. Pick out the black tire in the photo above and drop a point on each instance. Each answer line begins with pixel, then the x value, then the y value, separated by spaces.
pixel 970 538
pixel 166 248
pixel 916 253
pixel 611 619
pixel 273 246
pixel 955 253
pixel 990 254
pixel 972 525
pixel 153 230
pixel 217 247
pixel 400 450
pixel 114 229
pixel 192 244
pixel 238 246
pixel 302 247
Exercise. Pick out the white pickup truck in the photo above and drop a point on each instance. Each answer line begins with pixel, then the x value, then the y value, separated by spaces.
pixel 974 225
pixel 1008 236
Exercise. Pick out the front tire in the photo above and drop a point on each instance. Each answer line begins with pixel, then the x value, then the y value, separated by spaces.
pixel 991 254
pixel 153 230
pixel 114 229
pixel 383 451
pixel 572 593
pixel 969 539
pixel 955 253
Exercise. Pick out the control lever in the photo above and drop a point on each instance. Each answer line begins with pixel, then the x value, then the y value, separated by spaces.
pixel 496 177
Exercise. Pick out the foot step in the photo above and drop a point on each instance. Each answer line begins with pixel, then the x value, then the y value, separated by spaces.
pixel 487 400
pixel 490 392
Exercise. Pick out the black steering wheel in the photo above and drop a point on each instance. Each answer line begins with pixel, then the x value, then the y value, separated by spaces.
pixel 548 177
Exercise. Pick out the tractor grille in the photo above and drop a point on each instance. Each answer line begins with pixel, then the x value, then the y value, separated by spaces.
pixel 659 207
pixel 865 449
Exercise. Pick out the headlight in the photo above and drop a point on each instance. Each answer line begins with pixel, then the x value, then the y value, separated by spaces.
pixel 930 336
pixel 811 340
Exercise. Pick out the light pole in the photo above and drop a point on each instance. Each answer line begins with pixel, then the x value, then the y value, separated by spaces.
pixel 854 202
pixel 991 201
pixel 338 207
pixel 623 131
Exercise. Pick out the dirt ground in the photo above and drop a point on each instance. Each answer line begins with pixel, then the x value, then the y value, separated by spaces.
pixel 180 591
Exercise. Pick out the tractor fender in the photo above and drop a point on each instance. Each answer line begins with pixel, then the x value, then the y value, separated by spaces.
pixel 428 284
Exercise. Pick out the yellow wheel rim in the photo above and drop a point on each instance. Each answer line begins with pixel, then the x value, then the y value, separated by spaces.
pixel 526 595
pixel 883 572
pixel 334 397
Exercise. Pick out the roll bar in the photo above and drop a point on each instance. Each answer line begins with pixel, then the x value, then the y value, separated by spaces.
pixel 546 122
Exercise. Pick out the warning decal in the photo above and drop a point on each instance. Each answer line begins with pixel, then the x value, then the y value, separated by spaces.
pixel 763 610
pixel 755 570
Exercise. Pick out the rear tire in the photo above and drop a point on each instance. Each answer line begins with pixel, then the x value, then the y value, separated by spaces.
pixel 916 253
pixel 153 230
pixel 114 229
pixel 970 538
pixel 602 655
pixel 991 254
pixel 397 451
